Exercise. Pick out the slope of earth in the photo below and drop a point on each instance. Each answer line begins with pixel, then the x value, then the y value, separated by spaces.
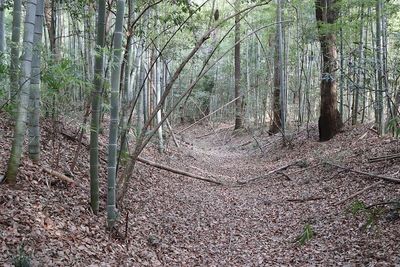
pixel 171 220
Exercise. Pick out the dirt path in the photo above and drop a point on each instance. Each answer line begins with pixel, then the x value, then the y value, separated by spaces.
pixel 257 224
pixel 179 221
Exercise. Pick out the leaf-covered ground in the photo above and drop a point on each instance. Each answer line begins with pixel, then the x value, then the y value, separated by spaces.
pixel 173 220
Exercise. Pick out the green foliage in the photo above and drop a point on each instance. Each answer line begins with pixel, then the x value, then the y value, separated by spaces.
pixel 356 207
pixel 394 126
pixel 306 235
pixel 22 259
pixel 371 214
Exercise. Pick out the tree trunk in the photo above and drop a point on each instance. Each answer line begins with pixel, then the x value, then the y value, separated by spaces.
pixel 20 124
pixel 277 98
pixel 2 28
pixel 238 104
pixel 329 122
pixel 113 136
pixel 379 67
pixel 96 107
pixel 15 39
pixel 34 117
pixel 356 93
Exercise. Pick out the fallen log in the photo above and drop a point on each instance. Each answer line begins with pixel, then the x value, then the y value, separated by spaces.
pixel 391 179
pixel 166 168
pixel 358 193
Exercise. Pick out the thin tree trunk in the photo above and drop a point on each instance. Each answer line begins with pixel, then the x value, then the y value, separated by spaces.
pixel 15 42
pixel 379 56
pixel 2 28
pixel 356 93
pixel 238 103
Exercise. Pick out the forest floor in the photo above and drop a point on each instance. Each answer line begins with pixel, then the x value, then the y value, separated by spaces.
pixel 253 219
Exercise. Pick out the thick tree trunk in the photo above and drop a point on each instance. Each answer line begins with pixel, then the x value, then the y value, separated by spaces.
pixel 329 122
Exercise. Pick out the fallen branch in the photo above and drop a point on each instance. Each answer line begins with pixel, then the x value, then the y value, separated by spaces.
pixel 269 173
pixel 304 199
pixel 62 177
pixel 304 169
pixel 166 168
pixel 391 179
pixel 384 158
pixel 358 193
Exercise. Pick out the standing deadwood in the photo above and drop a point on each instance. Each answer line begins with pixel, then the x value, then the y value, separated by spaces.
pixel 15 39
pixel 238 103
pixel 2 28
pixel 329 122
pixel 34 116
pixel 25 81
pixel 96 107
pixel 379 65
pixel 278 112
pixel 113 136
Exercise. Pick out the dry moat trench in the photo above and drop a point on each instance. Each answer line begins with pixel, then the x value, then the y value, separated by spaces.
pixel 179 221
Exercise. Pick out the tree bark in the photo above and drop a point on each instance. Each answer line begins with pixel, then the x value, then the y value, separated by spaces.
pixel 329 122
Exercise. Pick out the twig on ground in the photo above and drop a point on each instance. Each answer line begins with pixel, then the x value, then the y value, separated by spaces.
pixel 163 167
pixel 384 158
pixel 391 179
pixel 269 173
pixel 358 192
pixel 305 199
